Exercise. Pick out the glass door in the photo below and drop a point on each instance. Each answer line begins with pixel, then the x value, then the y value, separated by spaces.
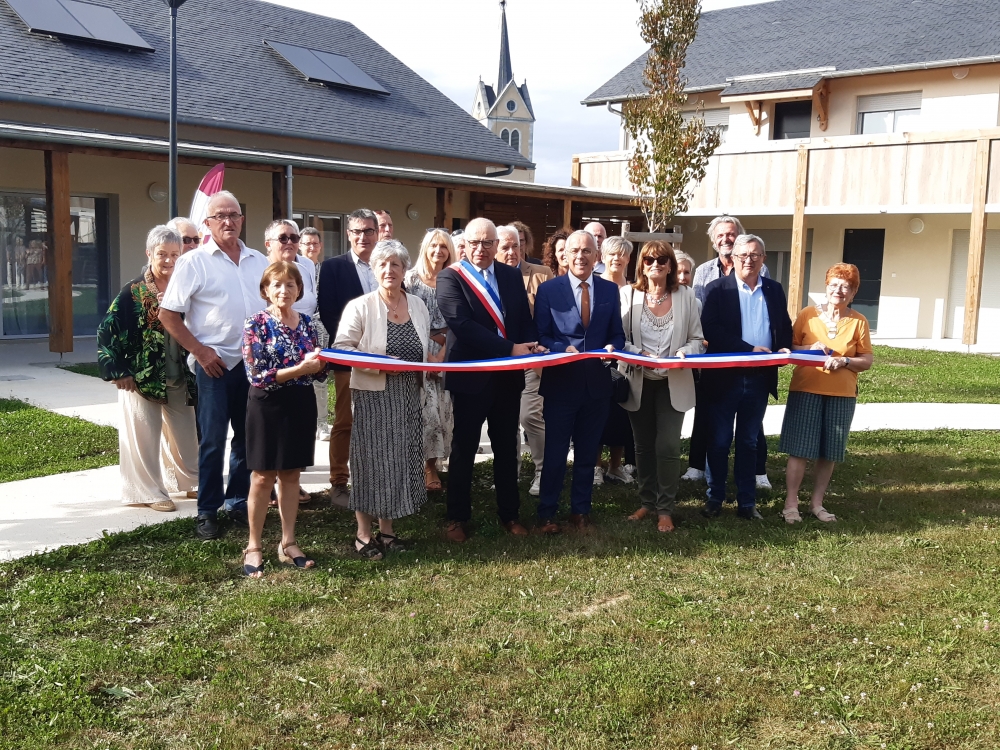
pixel 330 226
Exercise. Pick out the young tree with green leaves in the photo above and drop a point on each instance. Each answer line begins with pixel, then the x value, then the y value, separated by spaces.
pixel 670 155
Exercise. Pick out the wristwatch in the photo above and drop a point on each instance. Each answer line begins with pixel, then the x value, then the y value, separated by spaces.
pixel 847 361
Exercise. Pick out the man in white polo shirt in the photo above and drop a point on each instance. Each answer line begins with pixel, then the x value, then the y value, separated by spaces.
pixel 216 288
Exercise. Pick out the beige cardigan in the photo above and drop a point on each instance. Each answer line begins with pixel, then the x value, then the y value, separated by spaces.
pixel 687 338
pixel 364 326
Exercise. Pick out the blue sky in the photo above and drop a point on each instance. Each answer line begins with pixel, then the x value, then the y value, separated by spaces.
pixel 564 48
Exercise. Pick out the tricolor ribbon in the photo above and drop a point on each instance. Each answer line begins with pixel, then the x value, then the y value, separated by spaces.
pixel 531 361
pixel 483 291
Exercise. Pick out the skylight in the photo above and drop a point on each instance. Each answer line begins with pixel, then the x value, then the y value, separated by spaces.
pixel 72 19
pixel 326 67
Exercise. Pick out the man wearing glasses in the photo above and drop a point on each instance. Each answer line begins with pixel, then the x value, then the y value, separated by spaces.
pixel 216 290
pixel 486 308
pixel 743 312
pixel 341 279
pixel 190 236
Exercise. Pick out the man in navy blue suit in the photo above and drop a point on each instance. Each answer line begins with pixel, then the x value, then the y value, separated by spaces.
pixel 486 308
pixel 342 279
pixel 576 312
pixel 743 312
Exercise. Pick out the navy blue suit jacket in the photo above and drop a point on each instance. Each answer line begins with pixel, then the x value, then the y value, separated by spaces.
pixel 338 285
pixel 560 326
pixel 473 335
pixel 722 325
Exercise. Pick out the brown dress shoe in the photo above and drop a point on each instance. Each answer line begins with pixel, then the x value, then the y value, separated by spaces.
pixel 456 532
pixel 549 527
pixel 581 521
pixel 514 528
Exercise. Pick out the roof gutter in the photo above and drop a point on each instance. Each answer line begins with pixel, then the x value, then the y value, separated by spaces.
pixel 221 123
pixel 147 144
pixel 961 61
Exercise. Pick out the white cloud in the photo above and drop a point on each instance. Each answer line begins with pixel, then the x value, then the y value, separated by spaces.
pixel 564 48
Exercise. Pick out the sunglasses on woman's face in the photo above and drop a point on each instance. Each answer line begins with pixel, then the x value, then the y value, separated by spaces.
pixel 286 239
pixel 651 259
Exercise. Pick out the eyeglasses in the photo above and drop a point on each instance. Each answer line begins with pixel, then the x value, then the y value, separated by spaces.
pixel 191 240
pixel 658 259
pixel 286 239
pixel 487 244
pixel 223 218
pixel 744 257
pixel 367 232
pixel 845 288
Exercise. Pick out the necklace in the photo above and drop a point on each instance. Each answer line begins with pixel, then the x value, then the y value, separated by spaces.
pixel 832 325
pixel 395 315
pixel 656 302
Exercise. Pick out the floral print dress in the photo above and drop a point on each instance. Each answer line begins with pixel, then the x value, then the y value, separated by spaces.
pixel 438 416
pixel 269 345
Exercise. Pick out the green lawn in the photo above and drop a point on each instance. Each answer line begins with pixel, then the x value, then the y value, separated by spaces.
pixel 874 632
pixel 37 442
pixel 84 368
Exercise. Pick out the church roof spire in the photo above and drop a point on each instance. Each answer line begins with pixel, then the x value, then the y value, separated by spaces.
pixel 506 73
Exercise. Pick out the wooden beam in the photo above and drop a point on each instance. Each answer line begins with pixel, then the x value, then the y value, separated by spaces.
pixel 797 267
pixel 977 242
pixel 279 196
pixel 821 101
pixel 574 177
pixel 59 253
pixel 445 200
pixel 754 109
pixel 567 213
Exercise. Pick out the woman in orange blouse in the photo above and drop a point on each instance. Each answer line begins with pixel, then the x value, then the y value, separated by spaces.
pixel 821 399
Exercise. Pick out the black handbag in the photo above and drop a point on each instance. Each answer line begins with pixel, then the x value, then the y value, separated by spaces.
pixel 620 389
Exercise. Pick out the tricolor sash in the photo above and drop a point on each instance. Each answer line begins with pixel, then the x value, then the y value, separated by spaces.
pixel 531 361
pixel 483 291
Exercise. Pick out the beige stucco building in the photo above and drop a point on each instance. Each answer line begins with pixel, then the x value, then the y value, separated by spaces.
pixel 874 148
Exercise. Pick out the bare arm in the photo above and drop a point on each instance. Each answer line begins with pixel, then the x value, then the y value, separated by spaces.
pixel 207 357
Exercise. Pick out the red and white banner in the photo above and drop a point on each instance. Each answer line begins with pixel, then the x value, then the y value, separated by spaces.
pixel 210 184
pixel 531 361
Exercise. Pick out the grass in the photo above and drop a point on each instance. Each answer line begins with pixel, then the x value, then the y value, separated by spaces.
pixel 875 632
pixel 37 443
pixel 83 368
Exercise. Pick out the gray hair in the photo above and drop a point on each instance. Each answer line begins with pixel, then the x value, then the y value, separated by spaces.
pixel 362 214
pixel 311 232
pixel 508 231
pixel 178 223
pixel 386 250
pixel 724 220
pixel 616 244
pixel 746 239
pixel 683 257
pixel 222 194
pixel 274 225
pixel 161 235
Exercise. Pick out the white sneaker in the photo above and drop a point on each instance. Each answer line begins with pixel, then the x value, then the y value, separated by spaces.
pixel 598 475
pixel 693 474
pixel 629 471
pixel 323 432
pixel 536 485
pixel 763 483
pixel 619 476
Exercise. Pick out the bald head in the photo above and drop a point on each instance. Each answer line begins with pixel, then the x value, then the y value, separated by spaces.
pixel 598 231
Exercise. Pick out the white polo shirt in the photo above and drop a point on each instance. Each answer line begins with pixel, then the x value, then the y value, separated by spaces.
pixel 216 297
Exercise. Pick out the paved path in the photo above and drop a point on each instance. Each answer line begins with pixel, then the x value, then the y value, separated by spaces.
pixel 47 512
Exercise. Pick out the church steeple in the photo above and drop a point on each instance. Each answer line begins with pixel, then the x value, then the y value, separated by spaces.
pixel 506 73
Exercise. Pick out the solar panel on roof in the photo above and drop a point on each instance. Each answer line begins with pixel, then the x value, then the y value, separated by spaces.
pixel 73 19
pixel 326 67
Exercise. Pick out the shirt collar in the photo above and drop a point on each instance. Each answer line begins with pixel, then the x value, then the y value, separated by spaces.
pixel 575 282
pixel 356 260
pixel 212 246
pixel 746 287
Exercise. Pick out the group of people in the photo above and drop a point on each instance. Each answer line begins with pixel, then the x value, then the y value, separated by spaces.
pixel 215 336
pixel 24 265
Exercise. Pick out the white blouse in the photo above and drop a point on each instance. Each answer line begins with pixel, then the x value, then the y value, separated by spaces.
pixel 657 333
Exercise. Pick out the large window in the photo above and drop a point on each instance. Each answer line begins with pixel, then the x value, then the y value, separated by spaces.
pixel 714 118
pixel 792 119
pixel 888 113
pixel 330 226
pixel 24 265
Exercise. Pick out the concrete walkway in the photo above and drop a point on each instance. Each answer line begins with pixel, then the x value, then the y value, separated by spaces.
pixel 48 512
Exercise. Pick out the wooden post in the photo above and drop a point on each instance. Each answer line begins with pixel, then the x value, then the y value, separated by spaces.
pixel 977 242
pixel 442 217
pixel 567 213
pixel 279 196
pixel 797 267
pixel 574 177
pixel 59 254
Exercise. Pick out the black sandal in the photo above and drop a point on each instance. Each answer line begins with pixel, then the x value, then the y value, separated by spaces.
pixel 369 551
pixel 250 570
pixel 391 543
pixel 301 562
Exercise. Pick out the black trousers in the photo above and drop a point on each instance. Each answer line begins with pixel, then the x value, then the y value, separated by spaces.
pixel 501 408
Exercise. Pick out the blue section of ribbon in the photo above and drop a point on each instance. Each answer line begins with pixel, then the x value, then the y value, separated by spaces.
pixel 477 274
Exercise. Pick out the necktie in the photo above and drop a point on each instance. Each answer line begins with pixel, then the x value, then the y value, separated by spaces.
pixel 585 304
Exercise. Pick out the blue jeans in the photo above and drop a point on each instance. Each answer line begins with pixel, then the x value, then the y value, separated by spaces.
pixel 745 402
pixel 571 415
pixel 221 402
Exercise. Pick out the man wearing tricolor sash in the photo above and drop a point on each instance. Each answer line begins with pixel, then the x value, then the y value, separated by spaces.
pixel 486 308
